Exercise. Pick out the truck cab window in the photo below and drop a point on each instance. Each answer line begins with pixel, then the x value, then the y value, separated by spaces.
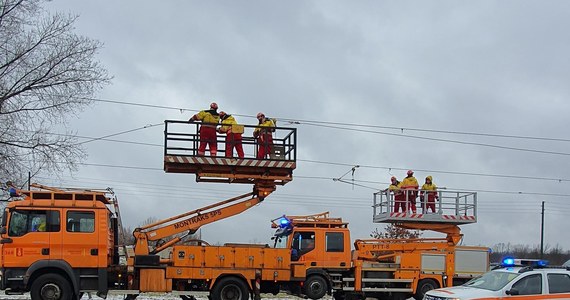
pixel 306 241
pixel 334 241
pixel 24 221
pixel 18 223
pixel 80 221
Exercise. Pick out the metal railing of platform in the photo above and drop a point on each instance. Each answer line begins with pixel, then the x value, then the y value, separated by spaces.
pixel 450 203
pixel 181 138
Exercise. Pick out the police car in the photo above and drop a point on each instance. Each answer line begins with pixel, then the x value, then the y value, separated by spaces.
pixel 514 278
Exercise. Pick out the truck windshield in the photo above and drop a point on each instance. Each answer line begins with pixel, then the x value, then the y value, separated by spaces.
pixel 281 242
pixel 492 281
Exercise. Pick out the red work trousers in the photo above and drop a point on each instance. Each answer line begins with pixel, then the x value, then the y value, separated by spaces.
pixel 430 202
pixel 399 202
pixel 411 196
pixel 233 140
pixel 265 144
pixel 208 137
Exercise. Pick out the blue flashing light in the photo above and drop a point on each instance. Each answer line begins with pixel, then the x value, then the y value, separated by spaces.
pixel 508 261
pixel 511 262
pixel 542 263
pixel 283 222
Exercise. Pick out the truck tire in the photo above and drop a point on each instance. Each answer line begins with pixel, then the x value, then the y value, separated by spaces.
pixel 315 287
pixel 51 287
pixel 230 288
pixel 424 286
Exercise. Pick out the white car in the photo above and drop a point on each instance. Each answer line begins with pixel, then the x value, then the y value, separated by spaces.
pixel 509 281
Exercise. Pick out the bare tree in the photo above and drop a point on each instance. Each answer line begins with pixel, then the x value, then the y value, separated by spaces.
pixel 392 231
pixel 47 73
pixel 127 238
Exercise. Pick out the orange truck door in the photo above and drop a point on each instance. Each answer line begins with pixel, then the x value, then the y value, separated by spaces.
pixel 26 240
pixel 81 238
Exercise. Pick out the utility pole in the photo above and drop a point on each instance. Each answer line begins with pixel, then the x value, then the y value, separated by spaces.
pixel 542 233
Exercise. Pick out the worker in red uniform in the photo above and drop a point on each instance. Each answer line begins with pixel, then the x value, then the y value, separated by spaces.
pixel 429 189
pixel 399 197
pixel 233 133
pixel 410 186
pixel 263 134
pixel 210 119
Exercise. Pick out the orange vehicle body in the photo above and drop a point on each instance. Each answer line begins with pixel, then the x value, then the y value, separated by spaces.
pixel 380 268
pixel 77 249
pixel 54 235
pixel 78 245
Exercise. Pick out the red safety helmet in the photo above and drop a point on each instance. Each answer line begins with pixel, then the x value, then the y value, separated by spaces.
pixel 393 178
pixel 214 105
pixel 410 172
pixel 222 114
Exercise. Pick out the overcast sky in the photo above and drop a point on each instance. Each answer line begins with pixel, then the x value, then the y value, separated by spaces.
pixel 490 67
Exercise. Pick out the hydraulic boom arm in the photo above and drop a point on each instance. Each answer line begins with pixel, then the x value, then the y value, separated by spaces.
pixel 189 222
pixel 386 249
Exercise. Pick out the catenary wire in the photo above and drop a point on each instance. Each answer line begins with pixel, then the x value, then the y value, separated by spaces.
pixel 294 121
pixel 341 164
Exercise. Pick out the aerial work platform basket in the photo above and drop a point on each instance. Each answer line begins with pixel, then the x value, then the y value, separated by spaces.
pixel 181 142
pixel 451 207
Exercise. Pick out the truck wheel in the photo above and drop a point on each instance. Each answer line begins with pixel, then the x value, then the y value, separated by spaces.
pixel 315 287
pixel 424 286
pixel 51 287
pixel 230 288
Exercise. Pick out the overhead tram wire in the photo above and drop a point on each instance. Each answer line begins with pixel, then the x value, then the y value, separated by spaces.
pixel 120 133
pixel 330 178
pixel 440 172
pixel 301 121
pixel 297 121
pixel 335 163
pixel 444 140
pixel 364 166
pixel 283 199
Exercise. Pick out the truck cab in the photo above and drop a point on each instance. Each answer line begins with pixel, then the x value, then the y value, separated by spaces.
pixel 320 245
pixel 396 268
pixel 56 242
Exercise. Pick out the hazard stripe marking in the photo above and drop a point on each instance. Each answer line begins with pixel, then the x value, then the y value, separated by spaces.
pixel 230 162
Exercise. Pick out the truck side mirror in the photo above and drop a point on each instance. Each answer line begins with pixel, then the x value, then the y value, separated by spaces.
pixel 513 292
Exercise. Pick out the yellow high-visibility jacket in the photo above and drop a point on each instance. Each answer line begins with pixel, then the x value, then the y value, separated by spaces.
pixel 266 123
pixel 228 126
pixel 208 116
pixel 410 182
pixel 429 187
